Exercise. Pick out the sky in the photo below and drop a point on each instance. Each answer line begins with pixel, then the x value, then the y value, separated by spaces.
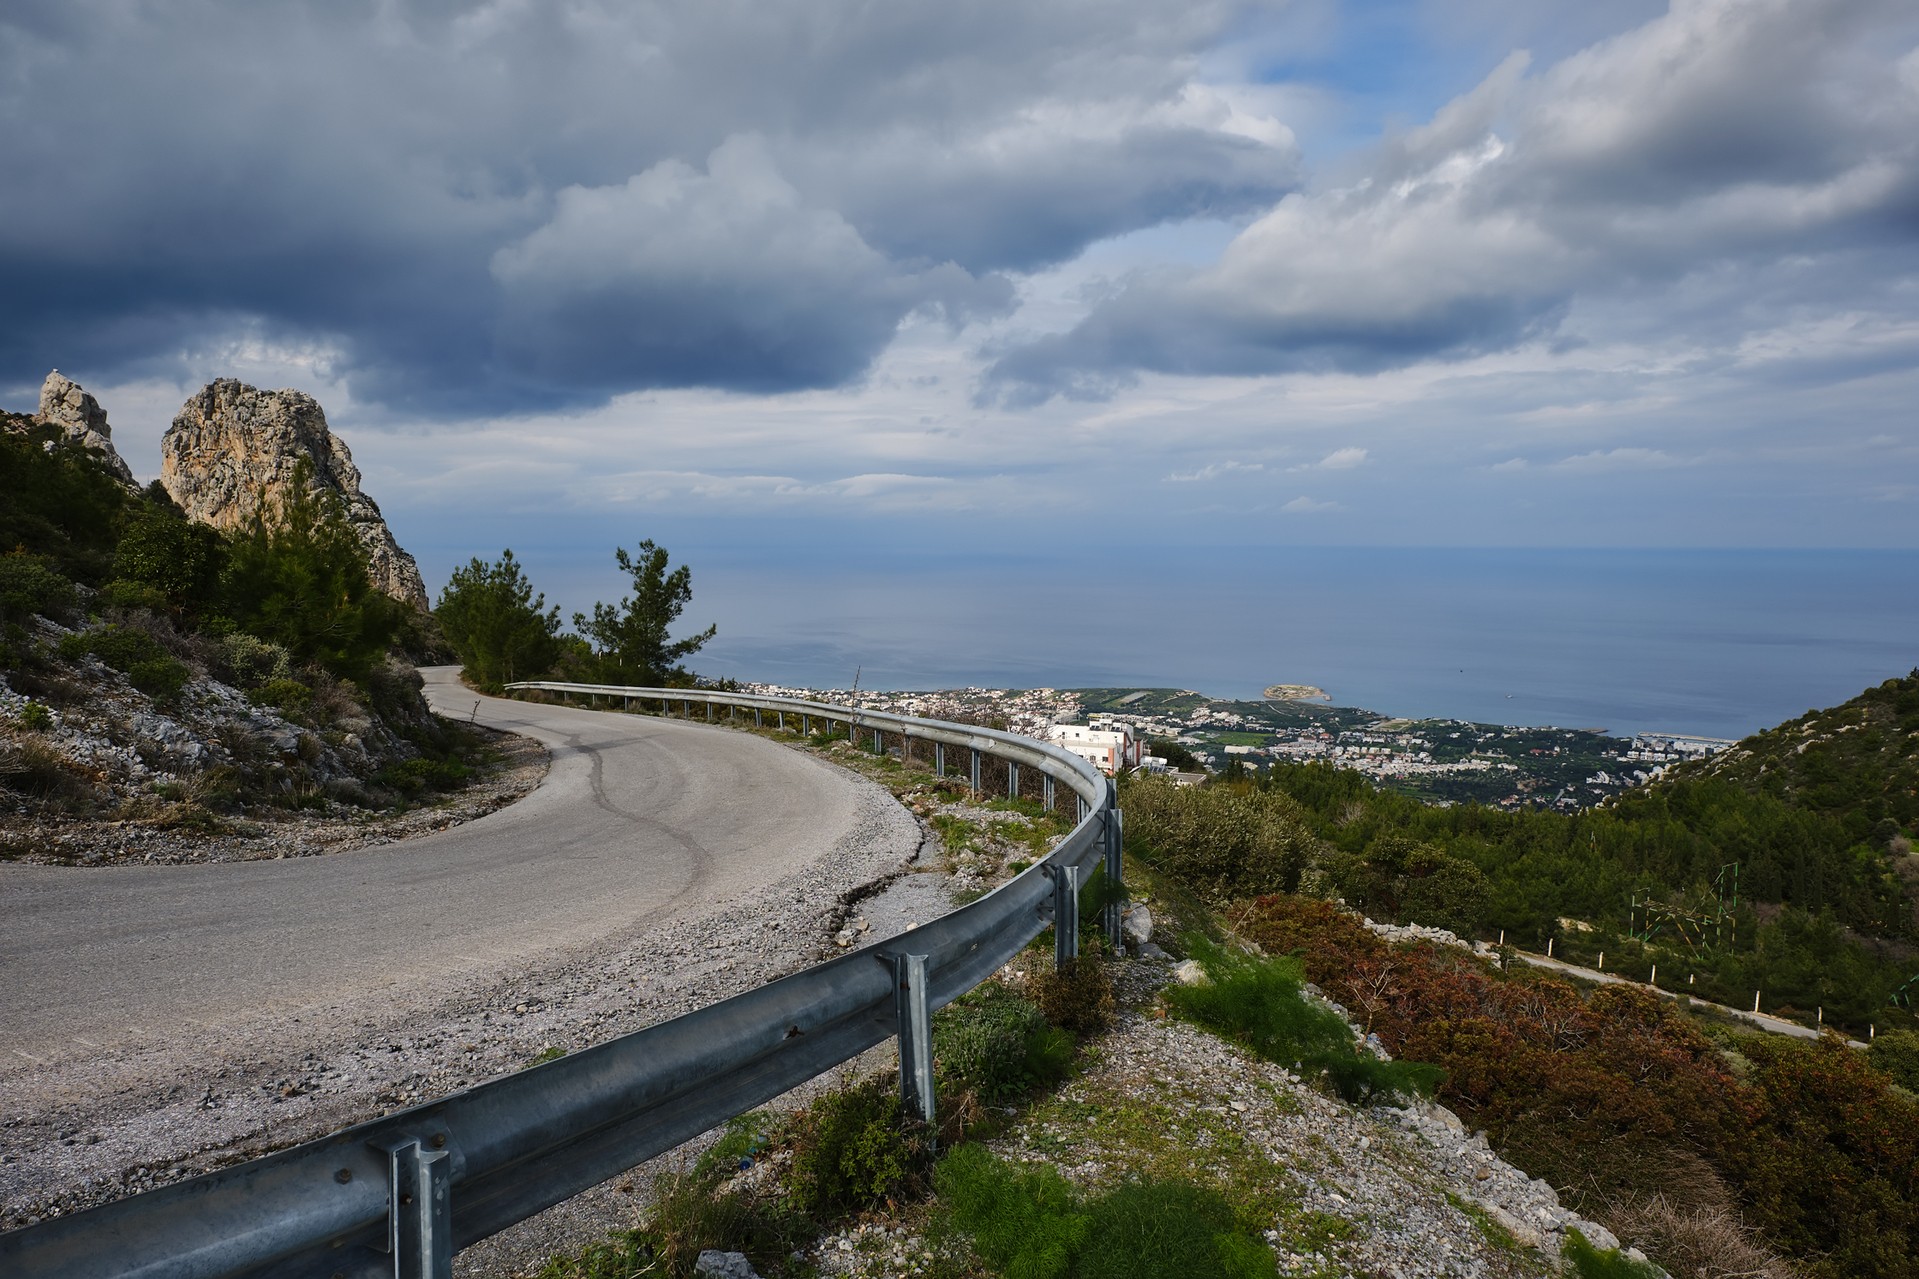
pixel 1001 278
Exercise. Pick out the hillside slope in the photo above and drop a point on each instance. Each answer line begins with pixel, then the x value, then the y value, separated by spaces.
pixel 1858 760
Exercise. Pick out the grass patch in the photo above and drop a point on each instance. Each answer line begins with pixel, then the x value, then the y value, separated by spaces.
pixel 1589 1262
pixel 1030 1223
pixel 1261 1003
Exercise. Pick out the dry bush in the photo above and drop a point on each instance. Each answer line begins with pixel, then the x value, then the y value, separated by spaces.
pixel 1078 998
pixel 1708 1242
pixel 30 767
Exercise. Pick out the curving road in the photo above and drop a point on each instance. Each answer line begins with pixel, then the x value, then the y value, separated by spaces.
pixel 639 819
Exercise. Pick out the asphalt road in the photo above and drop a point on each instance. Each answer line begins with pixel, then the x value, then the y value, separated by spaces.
pixel 640 819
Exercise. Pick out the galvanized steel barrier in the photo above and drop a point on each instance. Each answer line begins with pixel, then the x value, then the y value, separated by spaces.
pixel 397 1196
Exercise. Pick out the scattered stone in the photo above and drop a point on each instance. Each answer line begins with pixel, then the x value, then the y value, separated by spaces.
pixel 724 1265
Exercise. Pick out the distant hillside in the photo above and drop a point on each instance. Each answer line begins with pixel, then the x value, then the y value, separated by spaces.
pixel 1858 761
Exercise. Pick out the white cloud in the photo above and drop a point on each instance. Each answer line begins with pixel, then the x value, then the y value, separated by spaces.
pixel 1303 505
pixel 1212 471
pixel 1772 141
pixel 1338 460
pixel 1621 459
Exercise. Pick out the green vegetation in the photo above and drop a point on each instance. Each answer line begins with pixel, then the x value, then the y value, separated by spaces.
pixel 1030 1223
pixel 1221 842
pixel 1771 868
pixel 854 1150
pixel 1262 1003
pixel 1603 1263
pixel 134 653
pixel 998 1045
pixel 299 579
pixel 499 628
pixel 629 640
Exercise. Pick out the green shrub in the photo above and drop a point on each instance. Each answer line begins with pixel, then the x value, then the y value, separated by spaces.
pixel 288 696
pixel 1896 1055
pixel 161 677
pixel 419 775
pixel 134 653
pixel 1262 1004
pixel 1030 1223
pixel 120 593
pixel 999 1045
pixel 170 561
pixel 852 1151
pixel 36 716
pixel 1222 842
pixel 1603 1263
pixel 250 660
pixel 29 584
pixel 1079 997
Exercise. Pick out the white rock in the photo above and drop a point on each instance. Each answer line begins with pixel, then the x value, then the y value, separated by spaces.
pixel 1190 972
pixel 724 1265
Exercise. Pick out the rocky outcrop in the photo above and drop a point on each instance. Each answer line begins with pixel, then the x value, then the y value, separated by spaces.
pixel 67 408
pixel 233 452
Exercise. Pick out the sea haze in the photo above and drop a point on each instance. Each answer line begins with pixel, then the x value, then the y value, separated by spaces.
pixel 1714 642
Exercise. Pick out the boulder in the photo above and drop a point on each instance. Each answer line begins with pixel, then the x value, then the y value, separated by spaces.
pixel 714 1264
pixel 66 406
pixel 233 452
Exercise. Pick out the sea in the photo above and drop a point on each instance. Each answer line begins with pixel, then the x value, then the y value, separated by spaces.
pixel 1717 643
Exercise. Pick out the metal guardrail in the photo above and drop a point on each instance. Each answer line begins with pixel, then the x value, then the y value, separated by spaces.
pixel 397 1196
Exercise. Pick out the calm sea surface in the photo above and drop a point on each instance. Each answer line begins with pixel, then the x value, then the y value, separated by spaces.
pixel 1713 642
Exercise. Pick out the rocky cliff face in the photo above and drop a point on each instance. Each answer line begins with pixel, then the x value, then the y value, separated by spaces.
pixel 66 407
pixel 233 451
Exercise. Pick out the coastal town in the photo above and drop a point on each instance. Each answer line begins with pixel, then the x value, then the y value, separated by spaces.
pixel 1188 736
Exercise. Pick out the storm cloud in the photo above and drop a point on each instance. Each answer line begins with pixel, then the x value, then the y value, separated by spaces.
pixel 1720 168
pixel 478 207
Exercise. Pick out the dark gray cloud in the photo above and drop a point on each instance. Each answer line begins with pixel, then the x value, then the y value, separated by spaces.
pixel 486 206
pixel 1769 145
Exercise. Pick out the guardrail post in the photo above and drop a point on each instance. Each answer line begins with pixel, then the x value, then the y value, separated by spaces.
pixel 1012 780
pixel 1046 792
pixel 1114 926
pixel 1065 915
pixel 419 1222
pixel 879 742
pixel 709 712
pixel 914 1019
pixel 939 759
pixel 976 789
pixel 759 720
pixel 782 715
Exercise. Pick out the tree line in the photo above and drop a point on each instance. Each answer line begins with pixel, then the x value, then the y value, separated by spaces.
pixel 503 630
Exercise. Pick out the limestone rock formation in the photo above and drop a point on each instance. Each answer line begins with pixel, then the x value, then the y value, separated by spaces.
pixel 233 451
pixel 65 406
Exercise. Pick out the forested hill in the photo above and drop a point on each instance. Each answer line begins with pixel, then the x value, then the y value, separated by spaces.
pixel 1858 761
pixel 1798 862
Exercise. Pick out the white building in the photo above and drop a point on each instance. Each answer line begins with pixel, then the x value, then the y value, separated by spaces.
pixel 1107 746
